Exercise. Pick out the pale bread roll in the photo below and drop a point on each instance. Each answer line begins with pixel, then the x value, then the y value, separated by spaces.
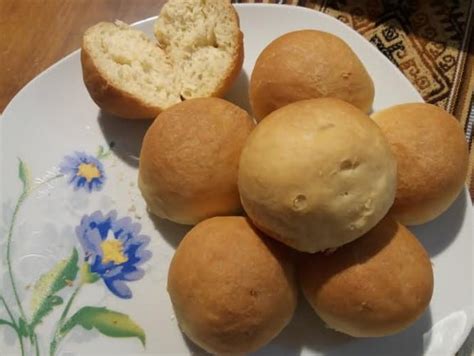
pixel 317 174
pixel 308 64
pixel 204 41
pixel 233 289
pixel 125 73
pixel 432 157
pixel 199 54
pixel 375 286
pixel 189 160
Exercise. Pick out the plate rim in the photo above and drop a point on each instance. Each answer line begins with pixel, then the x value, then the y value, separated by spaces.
pixel 11 104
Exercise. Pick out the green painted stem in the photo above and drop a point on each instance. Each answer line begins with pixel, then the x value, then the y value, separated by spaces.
pixel 21 199
pixel 58 336
pixel 35 342
pixel 8 311
pixel 20 339
pixel 14 325
pixel 69 304
pixel 49 180
pixel 22 347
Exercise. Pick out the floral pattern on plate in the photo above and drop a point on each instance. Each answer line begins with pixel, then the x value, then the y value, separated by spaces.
pixel 84 171
pixel 113 251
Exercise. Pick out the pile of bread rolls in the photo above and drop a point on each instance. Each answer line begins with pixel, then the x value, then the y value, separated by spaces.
pixel 313 196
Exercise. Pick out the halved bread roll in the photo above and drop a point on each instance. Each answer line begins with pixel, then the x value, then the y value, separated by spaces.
pixel 204 41
pixel 199 54
pixel 125 73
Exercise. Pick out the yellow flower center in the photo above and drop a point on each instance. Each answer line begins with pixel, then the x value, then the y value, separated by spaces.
pixel 88 171
pixel 112 251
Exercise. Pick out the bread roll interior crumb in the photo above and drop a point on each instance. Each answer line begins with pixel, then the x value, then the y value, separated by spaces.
pixel 199 37
pixel 128 58
pixel 198 52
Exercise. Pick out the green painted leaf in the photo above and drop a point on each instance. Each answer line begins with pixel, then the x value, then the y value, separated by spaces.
pixel 108 322
pixel 103 153
pixel 24 175
pixel 100 151
pixel 44 299
pixel 22 327
pixel 86 275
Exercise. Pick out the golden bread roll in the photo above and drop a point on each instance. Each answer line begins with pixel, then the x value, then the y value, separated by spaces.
pixel 432 157
pixel 189 160
pixel 308 64
pixel 374 286
pixel 233 289
pixel 316 174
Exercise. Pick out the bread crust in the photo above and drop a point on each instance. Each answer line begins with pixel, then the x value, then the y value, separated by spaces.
pixel 189 160
pixel 237 62
pixel 374 286
pixel 232 288
pixel 432 156
pixel 316 174
pixel 308 64
pixel 235 69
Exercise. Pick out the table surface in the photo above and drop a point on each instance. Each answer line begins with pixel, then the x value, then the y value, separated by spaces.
pixel 34 34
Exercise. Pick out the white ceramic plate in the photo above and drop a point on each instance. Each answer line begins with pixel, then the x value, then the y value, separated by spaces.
pixel 51 137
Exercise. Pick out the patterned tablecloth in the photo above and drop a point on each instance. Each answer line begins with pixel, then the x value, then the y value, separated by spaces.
pixel 430 41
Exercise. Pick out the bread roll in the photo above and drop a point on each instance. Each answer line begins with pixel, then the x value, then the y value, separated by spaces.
pixel 125 73
pixel 200 53
pixel 317 174
pixel 189 160
pixel 432 156
pixel 308 64
pixel 204 41
pixel 374 286
pixel 233 290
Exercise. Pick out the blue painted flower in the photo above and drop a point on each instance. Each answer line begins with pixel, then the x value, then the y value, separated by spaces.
pixel 84 171
pixel 114 249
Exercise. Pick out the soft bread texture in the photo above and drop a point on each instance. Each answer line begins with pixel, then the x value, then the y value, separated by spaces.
pixel 316 174
pixel 233 289
pixel 204 41
pixel 125 73
pixel 199 54
pixel 432 156
pixel 189 160
pixel 308 64
pixel 374 286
